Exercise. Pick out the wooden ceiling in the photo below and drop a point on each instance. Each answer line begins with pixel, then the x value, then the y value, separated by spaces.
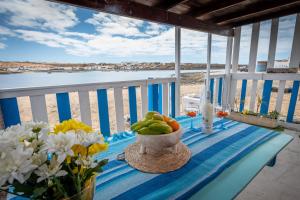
pixel 215 16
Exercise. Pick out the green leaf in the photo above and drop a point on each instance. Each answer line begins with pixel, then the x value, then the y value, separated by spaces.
pixel 38 192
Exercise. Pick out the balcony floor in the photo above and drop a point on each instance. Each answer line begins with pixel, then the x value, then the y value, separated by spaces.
pixel 281 182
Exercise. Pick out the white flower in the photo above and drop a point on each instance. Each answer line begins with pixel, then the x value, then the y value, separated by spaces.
pixel 86 139
pixel 88 161
pixel 47 171
pixel 39 158
pixel 60 144
pixel 16 165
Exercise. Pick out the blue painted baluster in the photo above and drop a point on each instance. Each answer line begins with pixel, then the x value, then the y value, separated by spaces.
pixel 172 89
pixel 132 104
pixel 10 111
pixel 220 91
pixel 103 112
pixel 155 97
pixel 243 95
pixel 211 87
pixel 293 102
pixel 266 97
pixel 150 98
pixel 63 106
pixel 160 95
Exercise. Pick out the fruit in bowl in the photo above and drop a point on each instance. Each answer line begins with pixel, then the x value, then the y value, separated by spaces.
pixel 221 114
pixel 157 132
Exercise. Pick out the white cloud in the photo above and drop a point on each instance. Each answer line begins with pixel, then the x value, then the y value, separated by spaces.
pixel 108 24
pixel 50 24
pixel 6 32
pixel 40 14
pixel 2 46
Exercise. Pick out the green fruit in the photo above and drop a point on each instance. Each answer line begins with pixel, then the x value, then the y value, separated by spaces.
pixel 151 121
pixel 148 131
pixel 150 114
pixel 160 127
pixel 158 117
pixel 138 125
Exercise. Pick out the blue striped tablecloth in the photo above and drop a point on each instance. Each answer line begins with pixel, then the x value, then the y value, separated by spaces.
pixel 211 155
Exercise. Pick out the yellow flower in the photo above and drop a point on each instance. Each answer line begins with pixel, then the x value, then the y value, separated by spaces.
pixel 79 149
pixel 97 148
pixel 72 125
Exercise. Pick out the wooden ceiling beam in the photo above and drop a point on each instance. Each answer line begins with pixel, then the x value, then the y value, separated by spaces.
pixel 253 9
pixel 136 10
pixel 166 5
pixel 266 16
pixel 202 12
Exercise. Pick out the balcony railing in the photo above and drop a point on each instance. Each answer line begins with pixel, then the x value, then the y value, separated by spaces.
pixel 156 94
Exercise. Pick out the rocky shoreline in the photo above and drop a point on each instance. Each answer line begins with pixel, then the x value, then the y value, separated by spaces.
pixel 23 67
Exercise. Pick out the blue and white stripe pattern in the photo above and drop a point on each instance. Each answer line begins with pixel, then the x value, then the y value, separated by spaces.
pixel 211 155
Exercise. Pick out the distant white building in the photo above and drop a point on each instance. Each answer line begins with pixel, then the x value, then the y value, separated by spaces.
pixel 284 63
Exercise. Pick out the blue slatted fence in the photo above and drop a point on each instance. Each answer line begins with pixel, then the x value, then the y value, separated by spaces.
pixel 293 102
pixel 10 111
pixel 243 94
pixel 103 112
pixel 132 104
pixel 266 95
pixel 63 106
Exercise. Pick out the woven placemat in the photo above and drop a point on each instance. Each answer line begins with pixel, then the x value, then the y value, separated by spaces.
pixel 166 161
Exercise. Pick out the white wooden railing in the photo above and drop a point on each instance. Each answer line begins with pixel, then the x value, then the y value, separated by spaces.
pixel 156 94
pixel 268 80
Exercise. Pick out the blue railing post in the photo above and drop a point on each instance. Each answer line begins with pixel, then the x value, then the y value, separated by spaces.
pixel 293 102
pixel 103 112
pixel 266 96
pixel 160 95
pixel 172 102
pixel 10 111
pixel 153 97
pixel 211 87
pixel 132 104
pixel 243 94
pixel 150 97
pixel 63 106
pixel 220 91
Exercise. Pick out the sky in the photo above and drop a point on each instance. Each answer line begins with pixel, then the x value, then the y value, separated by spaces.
pixel 42 31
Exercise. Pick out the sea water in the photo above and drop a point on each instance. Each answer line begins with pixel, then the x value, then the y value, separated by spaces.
pixel 42 79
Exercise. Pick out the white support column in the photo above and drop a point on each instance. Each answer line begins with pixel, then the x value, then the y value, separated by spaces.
pixel 208 63
pixel 177 69
pixel 253 47
pixel 144 96
pixel 236 49
pixel 252 61
pixel 295 53
pixel 235 63
pixel 227 79
pixel 280 95
pixel 273 43
pixel 216 92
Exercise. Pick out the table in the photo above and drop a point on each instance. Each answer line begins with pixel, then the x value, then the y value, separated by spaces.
pixel 120 181
pixel 226 181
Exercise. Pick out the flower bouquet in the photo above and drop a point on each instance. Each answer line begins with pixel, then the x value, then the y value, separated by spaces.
pixel 40 164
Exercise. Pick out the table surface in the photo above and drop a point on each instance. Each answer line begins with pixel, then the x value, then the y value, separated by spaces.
pixel 235 178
